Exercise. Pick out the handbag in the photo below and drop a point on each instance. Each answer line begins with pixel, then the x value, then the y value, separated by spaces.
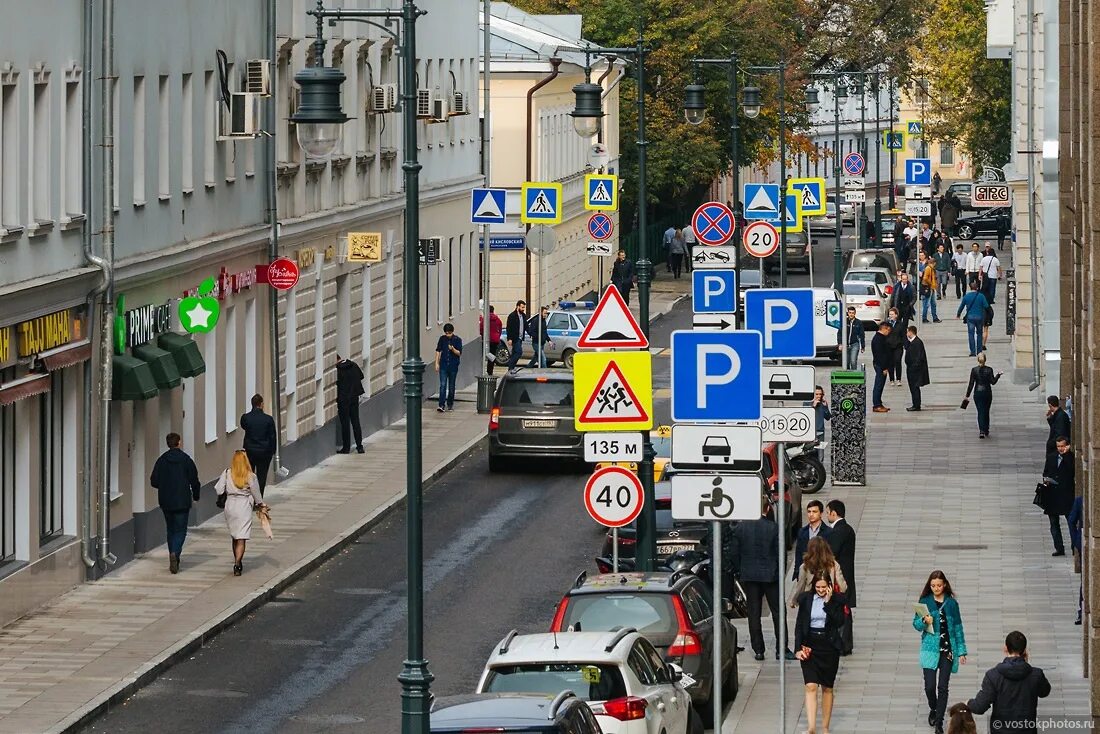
pixel 965 403
pixel 1039 500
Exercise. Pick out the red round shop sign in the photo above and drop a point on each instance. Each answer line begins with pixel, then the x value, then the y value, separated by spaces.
pixel 282 274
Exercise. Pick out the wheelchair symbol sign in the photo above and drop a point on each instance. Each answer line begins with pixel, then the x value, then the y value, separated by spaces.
pixel 716 497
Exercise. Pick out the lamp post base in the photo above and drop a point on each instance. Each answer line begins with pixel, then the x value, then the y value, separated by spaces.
pixel 416 701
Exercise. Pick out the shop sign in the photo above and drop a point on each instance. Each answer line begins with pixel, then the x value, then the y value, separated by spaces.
pixel 364 247
pixel 199 313
pixel 282 274
pixel 305 256
pixel 140 325
pixel 46 332
pixel 227 283
pixel 7 354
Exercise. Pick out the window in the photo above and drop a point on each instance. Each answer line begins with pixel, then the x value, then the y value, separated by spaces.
pixel 209 118
pixel 451 273
pixel 250 348
pixel 230 379
pixel 9 158
pixel 558 321
pixel 210 386
pixel 7 480
pixel 51 441
pixel 639 663
pixel 187 137
pixel 73 152
pixel 164 170
pixel 947 154
pixel 461 274
pixel 116 159
pixel 41 141
pixel 138 139
pixel 366 324
pixel 698 606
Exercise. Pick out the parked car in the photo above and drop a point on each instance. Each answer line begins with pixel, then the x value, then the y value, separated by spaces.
pixel 798 253
pixel 985 222
pixel 874 257
pixel 881 277
pixel 625 681
pixel 532 418
pixel 564 326
pixel 827 222
pixel 672 535
pixel 847 211
pixel 868 300
pixel 675 612
pixel 564 713
pixel 965 191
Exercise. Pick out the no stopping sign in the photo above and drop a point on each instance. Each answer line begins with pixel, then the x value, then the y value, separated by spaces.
pixel 613 496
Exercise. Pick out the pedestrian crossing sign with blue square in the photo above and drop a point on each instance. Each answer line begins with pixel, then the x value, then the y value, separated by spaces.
pixel 601 192
pixel 793 212
pixel 541 203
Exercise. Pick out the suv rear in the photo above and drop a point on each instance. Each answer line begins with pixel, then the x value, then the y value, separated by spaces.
pixel 511 712
pixel 878 257
pixel 532 418
pixel 798 253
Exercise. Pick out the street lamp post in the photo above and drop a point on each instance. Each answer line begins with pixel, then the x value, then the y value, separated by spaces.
pixel 876 88
pixel 840 96
pixel 319 118
pixel 860 89
pixel 893 202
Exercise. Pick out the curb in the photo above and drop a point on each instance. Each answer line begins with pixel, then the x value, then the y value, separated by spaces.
pixel 151 670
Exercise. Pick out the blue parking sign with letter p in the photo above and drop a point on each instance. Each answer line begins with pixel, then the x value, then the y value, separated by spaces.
pixel 785 319
pixel 918 172
pixel 716 376
pixel 714 291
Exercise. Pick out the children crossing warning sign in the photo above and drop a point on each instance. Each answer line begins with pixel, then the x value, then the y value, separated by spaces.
pixel 613 391
pixel 541 203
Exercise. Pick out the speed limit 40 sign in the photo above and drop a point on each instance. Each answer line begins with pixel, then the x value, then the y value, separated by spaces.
pixel 788 425
pixel 760 239
pixel 613 496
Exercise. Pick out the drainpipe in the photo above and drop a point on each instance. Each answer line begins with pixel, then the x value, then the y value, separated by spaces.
pixel 108 255
pixel 1052 256
pixel 555 62
pixel 622 72
pixel 272 206
pixel 1032 245
pixel 87 491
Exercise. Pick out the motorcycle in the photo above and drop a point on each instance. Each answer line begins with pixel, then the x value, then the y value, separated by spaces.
pixel 692 561
pixel 805 463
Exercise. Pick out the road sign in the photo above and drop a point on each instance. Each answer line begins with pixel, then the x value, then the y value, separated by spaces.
pixel 918 172
pixel 812 196
pixel 613 391
pixel 918 192
pixel 991 195
pixel 613 496
pixel 793 222
pixel 787 382
pixel 714 291
pixel 715 376
pixel 854 182
pixel 487 206
pixel 717 447
pixel 600 249
pixel 612 325
pixel 855 197
pixel 893 140
pixel 914 128
pixel 541 240
pixel 714 322
pixel 713 223
pixel 918 208
pixel 760 239
pixel 763 201
pixel 832 313
pixel 601 192
pixel 612 447
pixel 717 497
pixel 723 256
pixel 540 203
pixel 600 226
pixel 789 425
pixel 785 320
pixel 854 164
pixel 282 274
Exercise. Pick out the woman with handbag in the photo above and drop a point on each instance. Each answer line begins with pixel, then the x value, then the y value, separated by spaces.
pixel 818 561
pixel 239 493
pixel 982 380
pixel 821 615
pixel 942 643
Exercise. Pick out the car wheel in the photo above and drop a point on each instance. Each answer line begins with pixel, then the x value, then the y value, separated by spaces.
pixel 966 232
pixel 567 358
pixel 730 685
pixel 695 724
pixel 497 464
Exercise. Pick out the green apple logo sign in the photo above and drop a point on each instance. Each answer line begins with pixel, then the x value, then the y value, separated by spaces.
pixel 199 314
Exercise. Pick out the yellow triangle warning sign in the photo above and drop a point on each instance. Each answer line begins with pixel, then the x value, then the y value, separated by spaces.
pixel 613 400
pixel 612 325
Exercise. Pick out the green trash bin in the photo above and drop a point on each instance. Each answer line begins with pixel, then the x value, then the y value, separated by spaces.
pixel 849 424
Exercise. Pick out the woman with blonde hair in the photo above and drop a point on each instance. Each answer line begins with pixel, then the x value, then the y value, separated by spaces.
pixel 239 492
pixel 818 561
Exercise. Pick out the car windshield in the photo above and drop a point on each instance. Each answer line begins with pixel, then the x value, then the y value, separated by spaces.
pixel 591 682
pixel 859 289
pixel 661 444
pixel 647 613
pixel 866 275
pixel 530 392
pixel 871 260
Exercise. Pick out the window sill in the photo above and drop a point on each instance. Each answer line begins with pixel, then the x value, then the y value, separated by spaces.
pixel 71 221
pixel 40 228
pixel 210 185
pixel 249 174
pixel 10 232
pixel 188 192
pixel 230 179
pixel 164 198
pixel 116 496
pixel 139 203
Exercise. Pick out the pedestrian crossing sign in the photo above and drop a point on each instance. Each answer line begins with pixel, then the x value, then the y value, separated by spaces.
pixel 811 195
pixel 613 391
pixel 793 212
pixel 541 203
pixel 601 192
pixel 893 140
pixel 914 128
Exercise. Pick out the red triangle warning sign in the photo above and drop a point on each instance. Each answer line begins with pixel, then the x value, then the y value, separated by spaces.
pixel 612 400
pixel 612 325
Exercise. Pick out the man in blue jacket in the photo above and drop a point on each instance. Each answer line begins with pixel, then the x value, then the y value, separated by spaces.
pixel 259 439
pixel 176 479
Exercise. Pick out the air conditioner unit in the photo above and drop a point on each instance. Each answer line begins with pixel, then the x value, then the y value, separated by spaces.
pixel 439 109
pixel 383 98
pixel 241 118
pixel 459 104
pixel 423 104
pixel 257 77
pixel 391 95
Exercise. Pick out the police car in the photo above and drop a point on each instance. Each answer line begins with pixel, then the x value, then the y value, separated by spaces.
pixel 564 326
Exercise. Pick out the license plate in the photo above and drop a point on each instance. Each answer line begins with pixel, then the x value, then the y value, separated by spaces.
pixel 551 423
pixel 669 549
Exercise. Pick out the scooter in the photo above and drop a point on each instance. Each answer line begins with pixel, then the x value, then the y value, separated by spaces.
pixel 805 463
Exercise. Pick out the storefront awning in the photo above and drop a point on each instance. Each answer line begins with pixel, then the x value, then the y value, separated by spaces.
pixel 131 379
pixel 162 365
pixel 67 356
pixel 24 387
pixel 185 351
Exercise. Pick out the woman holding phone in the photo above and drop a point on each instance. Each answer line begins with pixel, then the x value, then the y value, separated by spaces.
pixel 942 643
pixel 821 615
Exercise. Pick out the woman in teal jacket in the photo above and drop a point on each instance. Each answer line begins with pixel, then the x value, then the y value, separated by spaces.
pixel 942 644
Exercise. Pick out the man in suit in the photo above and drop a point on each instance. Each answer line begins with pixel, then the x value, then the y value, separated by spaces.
pixel 259 439
pixel 754 555
pixel 881 355
pixel 904 299
pixel 842 540
pixel 916 366
pixel 1058 490
pixel 514 331
pixel 1059 422
pixel 814 527
pixel 349 386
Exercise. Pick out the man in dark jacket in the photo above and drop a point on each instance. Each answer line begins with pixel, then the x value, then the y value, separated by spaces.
pixel 622 275
pixel 536 329
pixel 514 330
pixel 1058 478
pixel 259 439
pixel 1013 688
pixel 349 386
pixel 754 554
pixel 1058 420
pixel 904 298
pixel 855 338
pixel 842 540
pixel 176 479
pixel 916 367
pixel 815 527
pixel 881 359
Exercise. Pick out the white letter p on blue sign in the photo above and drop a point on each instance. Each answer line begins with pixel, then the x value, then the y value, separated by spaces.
pixel 714 291
pixel 918 172
pixel 784 318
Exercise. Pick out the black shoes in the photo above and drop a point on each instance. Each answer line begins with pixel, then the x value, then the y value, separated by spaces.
pixel 344 451
pixel 913 409
pixel 932 717
pixel 238 568
pixel 173 563
pixel 360 450
pixel 1058 553
pixel 758 656
pixel 787 655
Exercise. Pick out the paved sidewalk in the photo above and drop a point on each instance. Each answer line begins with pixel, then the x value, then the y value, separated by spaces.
pixel 938 497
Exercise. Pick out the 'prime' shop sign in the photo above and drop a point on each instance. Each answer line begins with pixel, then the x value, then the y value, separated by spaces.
pixel 145 323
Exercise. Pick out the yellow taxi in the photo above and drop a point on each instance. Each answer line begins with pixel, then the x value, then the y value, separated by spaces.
pixel 661 439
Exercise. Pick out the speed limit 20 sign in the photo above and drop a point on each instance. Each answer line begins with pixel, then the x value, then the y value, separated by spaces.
pixel 789 425
pixel 760 239
pixel 613 496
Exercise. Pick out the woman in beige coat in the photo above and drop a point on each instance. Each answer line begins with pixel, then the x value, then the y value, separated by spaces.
pixel 819 559
pixel 242 494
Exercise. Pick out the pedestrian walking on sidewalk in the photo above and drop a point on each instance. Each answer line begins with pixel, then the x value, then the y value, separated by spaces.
pixel 958 261
pixel 904 299
pixel 821 614
pixel 496 329
pixel 622 275
pixel 973 264
pixel 349 386
pixel 1058 490
pixel 990 273
pixel 942 643
pixel 536 329
pixel 982 380
pixel 259 439
pixel 818 561
pixel 916 367
pixel 815 526
pixel 972 308
pixel 176 479
pixel 689 242
pixel 241 493
pixel 666 241
pixel 1013 688
pixel 677 249
pixel 882 360
pixel 895 342
pixel 448 356
pixel 516 328
pixel 842 540
pixel 1076 526
pixel 943 262
pixel 1058 420
pixel 856 338
pixel 754 556
pixel 929 289
pixel 821 413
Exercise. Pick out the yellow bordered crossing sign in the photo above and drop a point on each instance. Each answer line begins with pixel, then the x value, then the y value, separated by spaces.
pixel 811 195
pixel 613 391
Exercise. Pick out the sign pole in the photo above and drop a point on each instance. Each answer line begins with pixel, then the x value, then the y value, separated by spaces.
pixel 716 657
pixel 781 647
pixel 844 337
pixel 615 550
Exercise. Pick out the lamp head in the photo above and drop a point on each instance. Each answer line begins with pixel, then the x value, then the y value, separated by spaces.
pixel 587 113
pixel 320 116
pixel 812 100
pixel 750 101
pixel 695 106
